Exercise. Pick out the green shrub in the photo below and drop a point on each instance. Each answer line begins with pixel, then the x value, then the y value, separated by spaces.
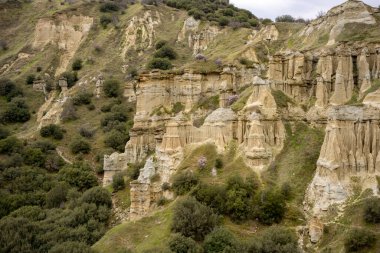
pixel 8 89
pixel 10 145
pixel 78 175
pixel 71 247
pixel 78 146
pixel 192 219
pixel 34 157
pixel 286 18
pixel 181 244
pixel 178 107
pixel 86 133
pixel 77 65
pixel 30 79
pixel 52 130
pixel 57 195
pixel 160 63
pixel 359 239
pixel 105 20
pixel 16 111
pixel 213 196
pixel 118 182
pixel 71 78
pixel 372 210
pixel 218 163
pixel 161 44
pixel 4 133
pixel 68 112
pixel 82 98
pixel 276 239
pixel 133 171
pixel 223 21
pixel 184 181
pixel 111 88
pixel 116 140
pixel 166 52
pixel 219 241
pixel 109 7
pixel 266 21
pixel 98 196
pixel 270 207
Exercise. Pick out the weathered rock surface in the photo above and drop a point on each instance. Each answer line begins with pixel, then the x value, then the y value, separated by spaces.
pixel 65 32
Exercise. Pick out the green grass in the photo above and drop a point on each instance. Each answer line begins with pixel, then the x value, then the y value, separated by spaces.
pixel 243 98
pixel 147 233
pixel 281 99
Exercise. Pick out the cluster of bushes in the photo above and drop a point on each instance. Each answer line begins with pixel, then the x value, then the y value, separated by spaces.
pixel 358 240
pixel 290 19
pixel 82 98
pixel 16 109
pixel 111 9
pixel 52 130
pixel 198 229
pixel 219 12
pixel 77 65
pixel 117 119
pixel 164 53
pixel 71 78
pixel 80 146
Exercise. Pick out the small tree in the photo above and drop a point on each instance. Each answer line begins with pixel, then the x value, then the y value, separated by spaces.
pixel 270 207
pixel 181 244
pixel 277 239
pixel 192 219
pixel 118 182
pixel 17 111
pixel 98 196
pixel 372 210
pixel 219 241
pixel 52 130
pixel 166 52
pixel 80 146
pixel 116 140
pixel 359 239
pixel 77 65
pixel 160 63
pixel 82 98
pixel 111 88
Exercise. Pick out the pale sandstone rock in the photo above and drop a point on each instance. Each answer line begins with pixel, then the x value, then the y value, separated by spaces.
pixel 140 32
pixel 67 33
pixel 315 230
pixel 267 33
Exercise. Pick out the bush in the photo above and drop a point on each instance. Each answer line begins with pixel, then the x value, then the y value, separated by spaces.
pixel 118 182
pixel 109 7
pixel 78 175
pixel 270 207
pixel 266 21
pixel 286 18
pixel 86 133
pixel 213 196
pixel 80 146
pixel 10 145
pixel 218 163
pixel 276 239
pixel 178 107
pixel 52 130
pixel 82 98
pixel 98 196
pixel 111 88
pixel 34 157
pixel 192 219
pixel 160 63
pixel 116 140
pixel 372 210
pixel 77 65
pixel 105 20
pixel 71 247
pixel 4 133
pixel 6 87
pixel 71 78
pixel 30 79
pixel 17 111
pixel 219 241
pixel 166 52
pixel 223 21
pixel 181 244
pixel 359 239
pixel 57 195
pixel 184 181
pixel 133 171
pixel 161 44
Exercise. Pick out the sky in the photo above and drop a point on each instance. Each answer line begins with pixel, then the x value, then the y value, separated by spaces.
pixel 298 8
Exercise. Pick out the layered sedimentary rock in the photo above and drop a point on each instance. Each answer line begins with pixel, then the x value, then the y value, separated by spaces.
pixel 140 33
pixel 267 33
pixel 350 156
pixel 67 33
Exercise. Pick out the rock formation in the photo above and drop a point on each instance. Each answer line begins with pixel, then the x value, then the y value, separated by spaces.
pixel 67 33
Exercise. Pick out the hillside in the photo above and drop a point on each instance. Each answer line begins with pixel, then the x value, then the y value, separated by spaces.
pixel 187 126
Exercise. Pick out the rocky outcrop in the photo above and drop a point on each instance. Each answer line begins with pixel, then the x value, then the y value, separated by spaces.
pixel 352 11
pixel 141 32
pixel 197 38
pixel 350 155
pixel 67 33
pixel 267 33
